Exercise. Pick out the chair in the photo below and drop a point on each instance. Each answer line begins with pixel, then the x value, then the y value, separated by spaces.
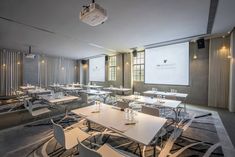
pixel 154 112
pixel 36 109
pixel 104 151
pixel 122 104
pixel 68 137
pixel 150 110
pixel 85 98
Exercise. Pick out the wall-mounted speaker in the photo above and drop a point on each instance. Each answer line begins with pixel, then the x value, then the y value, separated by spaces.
pixel 134 53
pixel 106 58
pixel 201 43
pixel 84 61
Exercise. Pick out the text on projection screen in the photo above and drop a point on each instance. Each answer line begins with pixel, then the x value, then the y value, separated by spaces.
pixel 167 65
pixel 97 69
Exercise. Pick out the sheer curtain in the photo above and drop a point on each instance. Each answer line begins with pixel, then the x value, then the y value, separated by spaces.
pixel 10 71
pixel 218 91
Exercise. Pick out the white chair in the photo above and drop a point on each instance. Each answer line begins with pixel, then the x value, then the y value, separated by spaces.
pixel 104 151
pixel 36 109
pixel 68 137
pixel 154 112
pixel 85 98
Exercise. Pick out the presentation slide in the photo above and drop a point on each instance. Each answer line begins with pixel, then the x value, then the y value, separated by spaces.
pixel 167 65
pixel 97 69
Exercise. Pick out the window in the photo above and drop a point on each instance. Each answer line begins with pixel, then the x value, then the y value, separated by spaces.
pixel 138 67
pixel 112 68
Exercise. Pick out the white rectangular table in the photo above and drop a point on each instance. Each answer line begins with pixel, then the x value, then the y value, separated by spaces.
pixel 101 94
pixel 76 84
pixel 116 89
pixel 144 131
pixel 92 86
pixel 152 101
pixel 71 88
pixel 27 87
pixel 63 99
pixel 179 95
pixel 36 92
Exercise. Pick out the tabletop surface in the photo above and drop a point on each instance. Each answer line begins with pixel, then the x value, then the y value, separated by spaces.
pixel 95 92
pixel 183 95
pixel 53 100
pixel 117 89
pixel 92 86
pixel 143 131
pixel 152 101
pixel 27 87
pixel 38 91
pixel 71 88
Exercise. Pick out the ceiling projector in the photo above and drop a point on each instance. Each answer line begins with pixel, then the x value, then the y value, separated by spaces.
pixel 93 14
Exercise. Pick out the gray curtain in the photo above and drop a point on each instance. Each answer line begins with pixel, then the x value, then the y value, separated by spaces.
pixel 218 90
pixel 10 71
pixel 57 70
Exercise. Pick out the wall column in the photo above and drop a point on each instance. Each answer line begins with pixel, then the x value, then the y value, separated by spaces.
pixel 232 74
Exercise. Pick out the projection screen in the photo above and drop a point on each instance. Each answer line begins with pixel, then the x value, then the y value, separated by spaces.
pixel 167 65
pixel 97 69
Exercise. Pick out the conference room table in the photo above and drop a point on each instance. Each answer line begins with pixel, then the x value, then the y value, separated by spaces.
pixel 70 88
pixel 142 131
pixel 172 104
pixel 102 94
pixel 58 100
pixel 76 84
pixel 38 91
pixel 173 94
pixel 179 96
pixel 116 89
pixel 27 87
pixel 92 86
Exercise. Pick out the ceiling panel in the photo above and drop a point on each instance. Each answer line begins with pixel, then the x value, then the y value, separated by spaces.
pixel 225 16
pixel 132 23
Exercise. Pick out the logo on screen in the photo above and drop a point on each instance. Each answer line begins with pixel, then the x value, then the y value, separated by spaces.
pixel 165 60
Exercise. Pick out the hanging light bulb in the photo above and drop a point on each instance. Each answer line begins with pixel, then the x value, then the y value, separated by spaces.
pixel 18 63
pixel 195 56
pixel 43 61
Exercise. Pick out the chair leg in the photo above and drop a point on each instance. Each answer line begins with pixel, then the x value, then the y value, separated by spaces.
pixel 55 146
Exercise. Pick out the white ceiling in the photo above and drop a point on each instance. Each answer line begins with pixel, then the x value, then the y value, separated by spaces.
pixel 131 23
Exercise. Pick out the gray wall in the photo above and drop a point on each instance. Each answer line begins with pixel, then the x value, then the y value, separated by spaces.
pixel 198 87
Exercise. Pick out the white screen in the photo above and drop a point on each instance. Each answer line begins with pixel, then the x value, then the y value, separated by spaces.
pixel 97 69
pixel 167 65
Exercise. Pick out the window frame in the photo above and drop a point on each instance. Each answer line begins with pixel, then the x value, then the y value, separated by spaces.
pixel 139 67
pixel 112 68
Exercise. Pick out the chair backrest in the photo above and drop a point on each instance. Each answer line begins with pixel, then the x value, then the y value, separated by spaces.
pixel 84 151
pixel 58 133
pixel 122 104
pixel 84 97
pixel 30 106
pixel 171 97
pixel 150 110
pixel 25 103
